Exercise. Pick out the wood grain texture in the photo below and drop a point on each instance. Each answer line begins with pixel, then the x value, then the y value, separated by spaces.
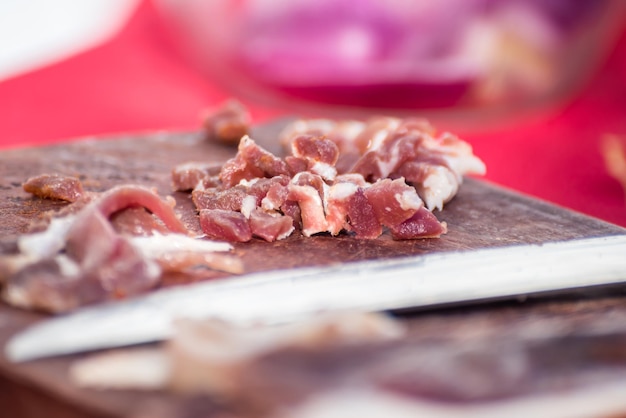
pixel 481 216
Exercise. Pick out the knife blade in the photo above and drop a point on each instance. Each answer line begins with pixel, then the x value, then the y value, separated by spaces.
pixel 289 295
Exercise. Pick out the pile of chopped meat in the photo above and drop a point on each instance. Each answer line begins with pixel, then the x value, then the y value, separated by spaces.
pixel 356 177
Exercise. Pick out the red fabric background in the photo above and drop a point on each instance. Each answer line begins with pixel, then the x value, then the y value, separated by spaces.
pixel 136 82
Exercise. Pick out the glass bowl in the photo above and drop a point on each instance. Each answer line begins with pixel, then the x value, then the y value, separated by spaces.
pixel 468 60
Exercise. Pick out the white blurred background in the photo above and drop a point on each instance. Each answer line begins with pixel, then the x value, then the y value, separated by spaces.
pixel 35 33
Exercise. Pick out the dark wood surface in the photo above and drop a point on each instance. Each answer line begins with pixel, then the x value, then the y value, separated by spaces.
pixel 482 215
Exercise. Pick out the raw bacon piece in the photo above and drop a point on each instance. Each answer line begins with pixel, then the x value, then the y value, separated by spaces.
pixel 340 132
pixel 362 217
pixel 339 196
pixel 188 176
pixel 227 124
pixel 251 162
pixel 54 186
pixel 311 208
pixel 320 154
pixel 259 188
pixel 296 164
pixel 275 197
pixel 423 224
pixel 292 209
pixel 393 201
pixel 270 227
pixel 436 184
pixel 311 179
pixel 317 149
pixel 228 199
pixel 225 224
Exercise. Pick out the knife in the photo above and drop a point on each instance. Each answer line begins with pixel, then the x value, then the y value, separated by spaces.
pixel 289 295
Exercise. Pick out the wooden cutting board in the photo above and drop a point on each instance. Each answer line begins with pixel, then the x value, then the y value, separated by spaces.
pixel 482 215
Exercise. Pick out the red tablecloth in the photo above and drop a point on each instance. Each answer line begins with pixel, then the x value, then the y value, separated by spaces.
pixel 136 82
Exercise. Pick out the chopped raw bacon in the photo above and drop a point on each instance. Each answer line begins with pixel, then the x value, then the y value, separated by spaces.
pixel 54 186
pixel 358 177
pixel 225 224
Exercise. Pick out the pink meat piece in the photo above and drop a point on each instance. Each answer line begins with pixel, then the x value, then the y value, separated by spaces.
pixel 310 179
pixel 187 176
pixel 337 204
pixel 320 153
pixel 275 197
pixel 225 225
pixel 54 186
pixel 340 132
pixel 209 182
pixel 416 171
pixel 391 153
pixel 393 201
pixel 259 188
pixel 296 164
pixel 228 199
pixel 362 217
pixel 423 224
pixel 270 227
pixel 251 162
pixel 228 123
pixel 315 148
pixel 292 209
pixel 122 197
pixel 311 207
pixel 346 161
